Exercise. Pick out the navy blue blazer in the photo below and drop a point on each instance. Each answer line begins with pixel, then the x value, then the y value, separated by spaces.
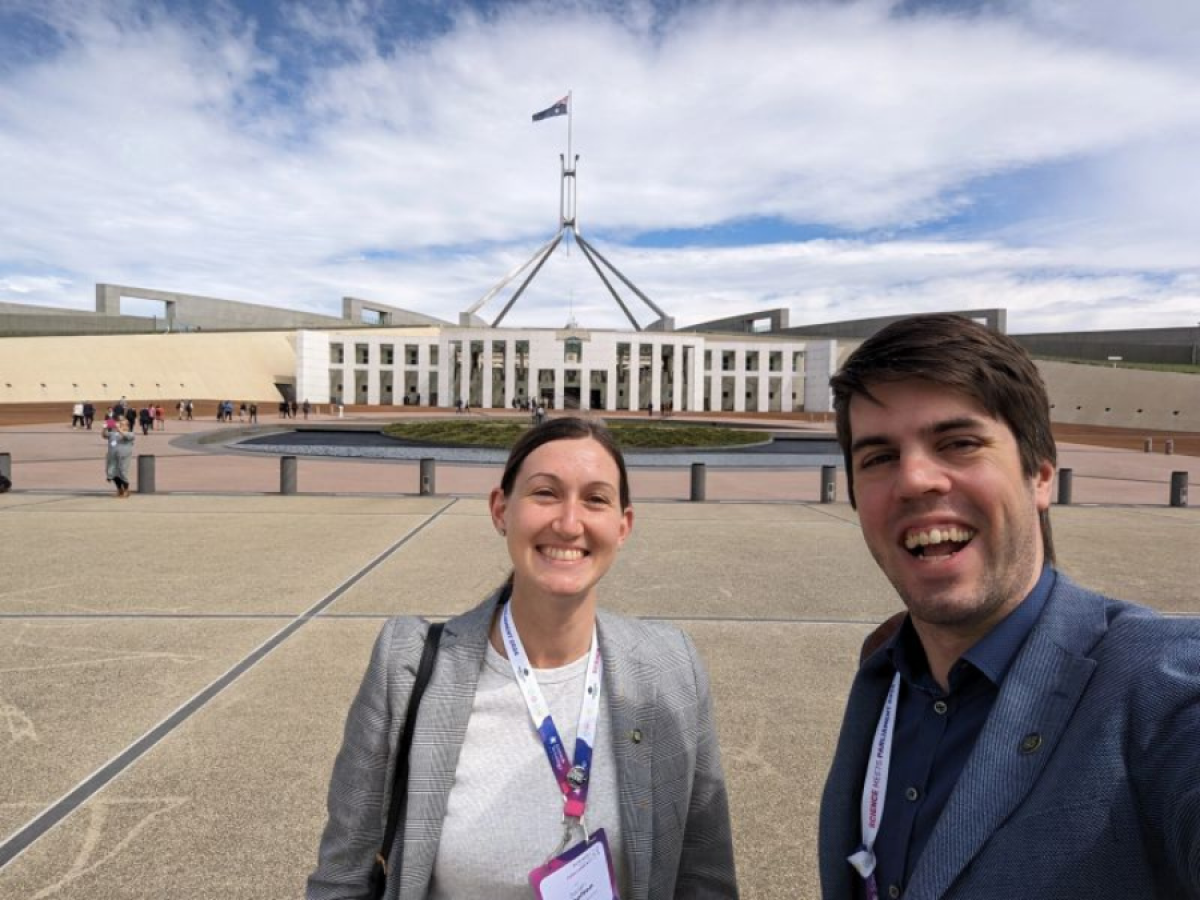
pixel 1085 781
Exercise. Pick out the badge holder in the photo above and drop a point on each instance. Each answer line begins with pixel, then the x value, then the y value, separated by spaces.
pixel 582 872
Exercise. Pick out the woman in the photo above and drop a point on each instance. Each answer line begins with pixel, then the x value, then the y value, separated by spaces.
pixel 486 810
pixel 120 451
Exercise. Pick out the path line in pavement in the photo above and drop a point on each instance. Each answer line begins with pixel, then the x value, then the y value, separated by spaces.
pixel 24 838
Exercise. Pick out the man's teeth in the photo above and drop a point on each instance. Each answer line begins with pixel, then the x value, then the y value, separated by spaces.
pixel 915 539
pixel 563 553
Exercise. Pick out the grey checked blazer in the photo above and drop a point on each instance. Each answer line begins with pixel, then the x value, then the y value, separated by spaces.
pixel 1085 781
pixel 674 809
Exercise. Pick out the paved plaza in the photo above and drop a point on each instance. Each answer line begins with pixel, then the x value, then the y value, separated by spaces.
pixel 175 668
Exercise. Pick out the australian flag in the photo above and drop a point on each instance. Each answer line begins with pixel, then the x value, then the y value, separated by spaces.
pixel 558 109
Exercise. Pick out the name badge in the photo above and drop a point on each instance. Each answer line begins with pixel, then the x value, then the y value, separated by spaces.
pixel 583 872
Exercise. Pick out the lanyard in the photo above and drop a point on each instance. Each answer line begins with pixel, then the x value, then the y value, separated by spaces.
pixel 572 778
pixel 875 790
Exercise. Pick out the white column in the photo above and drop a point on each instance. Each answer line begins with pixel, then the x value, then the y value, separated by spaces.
pixel 764 380
pixel 560 377
pixel 486 398
pixel 697 379
pixel 374 352
pixel 510 372
pixel 444 373
pixel 656 376
pixel 610 389
pixel 423 372
pixel 635 376
pixel 677 377
pixel 739 380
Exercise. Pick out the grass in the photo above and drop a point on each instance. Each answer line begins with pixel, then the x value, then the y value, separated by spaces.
pixel 630 436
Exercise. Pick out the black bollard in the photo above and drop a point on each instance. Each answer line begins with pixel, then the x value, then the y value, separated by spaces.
pixel 145 474
pixel 1064 486
pixel 828 484
pixel 1179 486
pixel 698 482
pixel 428 476
pixel 287 474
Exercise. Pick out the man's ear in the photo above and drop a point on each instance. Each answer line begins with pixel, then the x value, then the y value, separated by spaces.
pixel 1043 481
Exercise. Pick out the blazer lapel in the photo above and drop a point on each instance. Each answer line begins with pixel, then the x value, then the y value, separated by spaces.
pixel 437 742
pixel 632 694
pixel 1036 701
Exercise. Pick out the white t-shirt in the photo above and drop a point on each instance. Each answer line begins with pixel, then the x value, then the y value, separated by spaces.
pixel 504 813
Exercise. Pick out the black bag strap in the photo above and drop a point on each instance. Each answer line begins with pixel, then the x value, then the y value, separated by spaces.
pixel 399 805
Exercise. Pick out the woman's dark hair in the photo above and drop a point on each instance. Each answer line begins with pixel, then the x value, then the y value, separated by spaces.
pixel 568 428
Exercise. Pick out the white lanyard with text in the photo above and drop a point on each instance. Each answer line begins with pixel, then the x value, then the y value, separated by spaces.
pixel 573 775
pixel 875 791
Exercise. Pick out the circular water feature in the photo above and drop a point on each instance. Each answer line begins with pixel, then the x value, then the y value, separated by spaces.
pixel 785 451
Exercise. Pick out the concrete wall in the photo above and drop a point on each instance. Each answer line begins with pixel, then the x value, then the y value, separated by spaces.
pixel 1122 398
pixel 167 367
pixel 1157 345
pixel 185 312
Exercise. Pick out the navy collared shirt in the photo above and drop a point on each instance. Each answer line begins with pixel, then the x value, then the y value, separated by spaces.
pixel 936 731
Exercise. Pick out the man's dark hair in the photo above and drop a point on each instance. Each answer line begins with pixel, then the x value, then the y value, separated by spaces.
pixel 960 355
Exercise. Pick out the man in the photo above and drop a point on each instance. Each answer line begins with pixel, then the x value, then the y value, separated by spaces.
pixel 1016 735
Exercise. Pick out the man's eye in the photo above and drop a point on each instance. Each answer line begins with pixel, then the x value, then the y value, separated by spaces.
pixel 875 459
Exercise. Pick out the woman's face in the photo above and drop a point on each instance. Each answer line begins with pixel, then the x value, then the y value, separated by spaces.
pixel 563 519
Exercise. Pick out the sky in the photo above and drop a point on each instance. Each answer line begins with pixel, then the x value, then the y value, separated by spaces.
pixel 839 159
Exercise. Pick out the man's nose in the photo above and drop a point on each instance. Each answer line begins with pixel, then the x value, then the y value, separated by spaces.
pixel 920 473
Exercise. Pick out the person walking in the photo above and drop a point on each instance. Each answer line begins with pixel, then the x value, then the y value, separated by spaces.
pixel 119 436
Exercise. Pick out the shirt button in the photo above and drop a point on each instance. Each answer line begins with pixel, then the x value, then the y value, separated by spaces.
pixel 912 793
pixel 939 707
pixel 893 891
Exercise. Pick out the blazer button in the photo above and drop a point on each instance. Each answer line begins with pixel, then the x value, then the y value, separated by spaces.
pixel 1031 742
pixel 912 794
pixel 636 735
pixel 893 891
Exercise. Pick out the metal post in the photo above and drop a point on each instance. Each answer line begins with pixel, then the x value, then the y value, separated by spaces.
pixel 1148 446
pixel 828 484
pixel 287 474
pixel 698 482
pixel 6 465
pixel 1169 446
pixel 428 476
pixel 145 474
pixel 1179 486
pixel 1064 486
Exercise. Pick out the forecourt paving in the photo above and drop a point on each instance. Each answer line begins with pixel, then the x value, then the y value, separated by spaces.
pixel 114 614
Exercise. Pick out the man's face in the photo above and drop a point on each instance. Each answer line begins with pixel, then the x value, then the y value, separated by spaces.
pixel 944 507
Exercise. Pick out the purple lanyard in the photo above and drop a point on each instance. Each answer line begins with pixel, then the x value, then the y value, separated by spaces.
pixel 573 777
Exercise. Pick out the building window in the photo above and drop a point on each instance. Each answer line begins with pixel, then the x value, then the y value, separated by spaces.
pixel 337 353
pixel 362 354
pixel 433 354
pixel 728 357
pixel 387 353
pixel 410 354
pixel 775 360
pixel 572 350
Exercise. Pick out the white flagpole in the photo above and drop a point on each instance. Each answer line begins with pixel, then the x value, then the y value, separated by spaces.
pixel 570 119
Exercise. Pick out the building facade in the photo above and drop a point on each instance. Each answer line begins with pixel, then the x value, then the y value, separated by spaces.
pixel 571 368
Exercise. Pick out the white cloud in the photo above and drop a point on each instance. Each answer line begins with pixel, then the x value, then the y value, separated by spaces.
pixel 196 155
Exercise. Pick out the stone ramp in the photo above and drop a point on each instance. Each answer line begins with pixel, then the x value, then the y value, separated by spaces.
pixel 118 619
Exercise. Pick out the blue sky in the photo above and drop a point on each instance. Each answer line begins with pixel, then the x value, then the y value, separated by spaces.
pixel 841 159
